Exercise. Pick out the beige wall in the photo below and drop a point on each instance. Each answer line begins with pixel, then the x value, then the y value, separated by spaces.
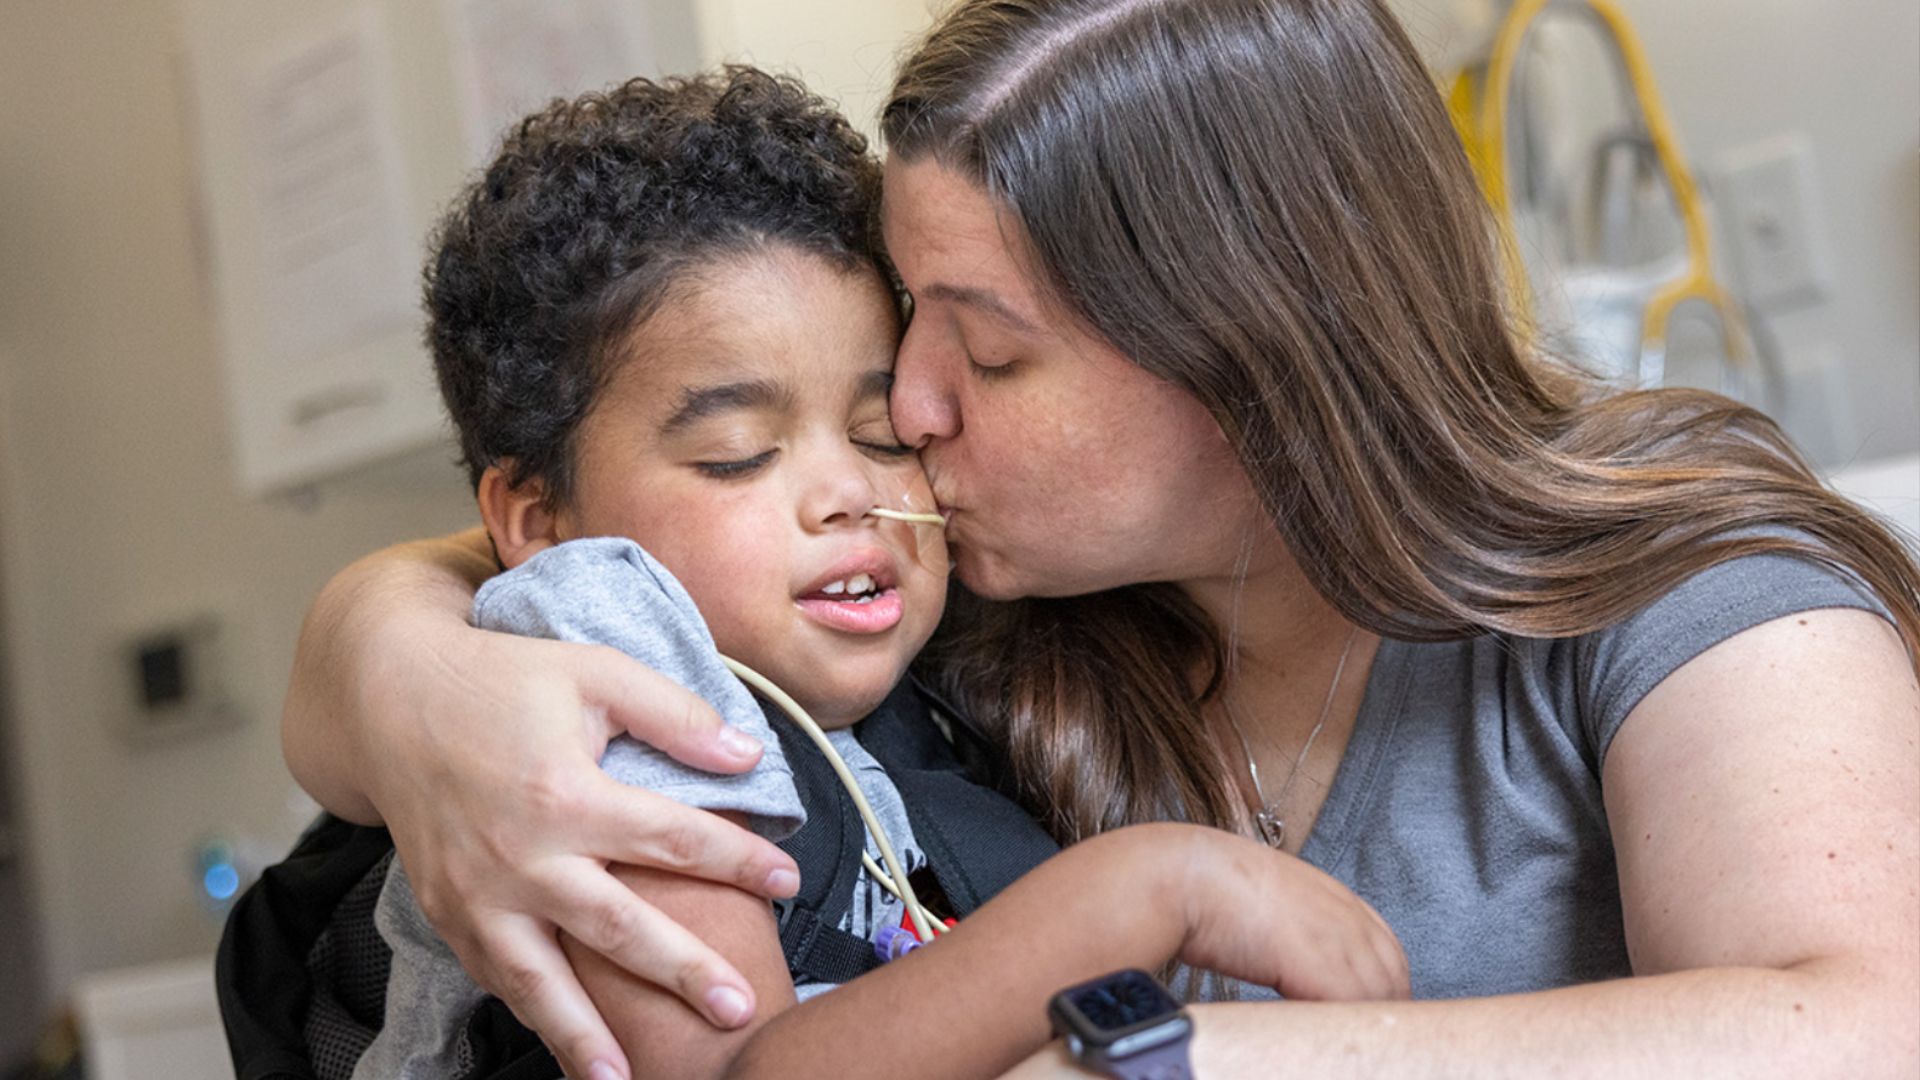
pixel 846 49
pixel 117 506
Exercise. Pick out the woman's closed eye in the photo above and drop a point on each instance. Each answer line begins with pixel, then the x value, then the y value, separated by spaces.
pixel 991 367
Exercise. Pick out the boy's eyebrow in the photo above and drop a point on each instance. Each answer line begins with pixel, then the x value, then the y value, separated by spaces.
pixel 699 402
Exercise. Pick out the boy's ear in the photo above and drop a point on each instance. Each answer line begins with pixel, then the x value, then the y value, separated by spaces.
pixel 516 518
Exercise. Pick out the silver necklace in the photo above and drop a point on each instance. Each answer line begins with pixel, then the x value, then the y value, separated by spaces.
pixel 1272 829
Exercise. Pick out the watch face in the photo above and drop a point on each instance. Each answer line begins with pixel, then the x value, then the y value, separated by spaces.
pixel 1120 1001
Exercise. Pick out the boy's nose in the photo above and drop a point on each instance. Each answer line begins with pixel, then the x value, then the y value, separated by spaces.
pixel 841 492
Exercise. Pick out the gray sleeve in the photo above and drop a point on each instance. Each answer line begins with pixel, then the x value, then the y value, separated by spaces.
pixel 429 995
pixel 607 591
pixel 1626 661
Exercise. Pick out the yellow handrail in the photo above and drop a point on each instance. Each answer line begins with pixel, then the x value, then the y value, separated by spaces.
pixel 1486 134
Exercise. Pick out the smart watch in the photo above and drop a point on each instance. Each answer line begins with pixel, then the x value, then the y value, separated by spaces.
pixel 1124 1025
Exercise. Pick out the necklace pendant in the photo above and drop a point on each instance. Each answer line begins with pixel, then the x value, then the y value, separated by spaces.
pixel 1272 829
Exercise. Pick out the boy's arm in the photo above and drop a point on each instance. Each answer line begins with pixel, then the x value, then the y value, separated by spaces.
pixel 661 1035
pixel 973 1003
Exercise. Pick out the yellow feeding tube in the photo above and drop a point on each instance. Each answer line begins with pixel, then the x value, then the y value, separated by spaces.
pixel 921 539
pixel 909 515
pixel 922 920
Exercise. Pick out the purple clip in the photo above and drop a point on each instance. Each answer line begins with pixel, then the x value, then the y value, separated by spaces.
pixel 894 942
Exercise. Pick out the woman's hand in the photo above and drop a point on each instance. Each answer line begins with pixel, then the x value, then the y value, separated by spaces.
pixel 479 751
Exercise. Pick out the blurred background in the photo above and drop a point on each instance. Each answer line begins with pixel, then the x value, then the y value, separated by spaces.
pixel 212 396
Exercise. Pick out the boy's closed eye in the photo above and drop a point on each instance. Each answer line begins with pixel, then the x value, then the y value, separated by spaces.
pixel 736 467
pixel 886 450
pixel 884 447
pixel 878 439
pixel 733 468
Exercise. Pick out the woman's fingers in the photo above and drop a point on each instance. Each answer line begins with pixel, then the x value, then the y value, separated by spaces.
pixel 627 696
pixel 521 963
pixel 629 825
pixel 506 825
pixel 609 918
pixel 517 957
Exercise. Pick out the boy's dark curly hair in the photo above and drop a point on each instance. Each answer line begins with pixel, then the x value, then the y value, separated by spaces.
pixel 590 212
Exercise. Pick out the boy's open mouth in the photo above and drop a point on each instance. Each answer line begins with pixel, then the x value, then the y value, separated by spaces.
pixel 857 589
pixel 859 595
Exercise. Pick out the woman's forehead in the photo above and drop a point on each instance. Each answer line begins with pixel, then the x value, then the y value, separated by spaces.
pixel 953 244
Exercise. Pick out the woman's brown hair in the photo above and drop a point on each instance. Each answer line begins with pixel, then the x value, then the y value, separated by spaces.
pixel 1264 203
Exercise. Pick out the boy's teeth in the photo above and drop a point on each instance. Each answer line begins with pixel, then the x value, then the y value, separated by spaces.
pixel 855 585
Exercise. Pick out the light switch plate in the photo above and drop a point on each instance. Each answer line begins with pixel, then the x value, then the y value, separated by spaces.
pixel 1775 226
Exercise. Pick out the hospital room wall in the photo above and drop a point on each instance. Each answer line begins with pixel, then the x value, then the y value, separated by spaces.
pixel 1737 75
pixel 1845 76
pixel 118 506
pixel 120 510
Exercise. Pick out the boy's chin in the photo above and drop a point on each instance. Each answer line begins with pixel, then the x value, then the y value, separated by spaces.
pixel 837 686
pixel 844 715
pixel 841 703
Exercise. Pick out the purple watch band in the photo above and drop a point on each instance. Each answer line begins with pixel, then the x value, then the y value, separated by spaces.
pixel 1167 1061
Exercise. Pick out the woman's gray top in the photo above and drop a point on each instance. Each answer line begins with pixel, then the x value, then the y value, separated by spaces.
pixel 1467 810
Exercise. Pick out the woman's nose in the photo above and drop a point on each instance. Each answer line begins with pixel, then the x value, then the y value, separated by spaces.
pixel 923 403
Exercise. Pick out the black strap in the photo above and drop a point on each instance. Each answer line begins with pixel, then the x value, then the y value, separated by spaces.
pixel 260 971
pixel 820 951
pixel 502 1048
pixel 827 849
pixel 975 840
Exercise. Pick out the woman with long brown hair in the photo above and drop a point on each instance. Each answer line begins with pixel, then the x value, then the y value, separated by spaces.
pixel 1270 520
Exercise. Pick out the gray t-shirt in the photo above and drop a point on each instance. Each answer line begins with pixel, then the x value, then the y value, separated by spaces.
pixel 1467 809
pixel 609 591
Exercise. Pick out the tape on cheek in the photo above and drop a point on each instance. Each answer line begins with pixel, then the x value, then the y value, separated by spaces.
pixel 928 534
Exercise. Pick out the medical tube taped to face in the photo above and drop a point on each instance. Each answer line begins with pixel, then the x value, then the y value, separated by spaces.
pixel 927 528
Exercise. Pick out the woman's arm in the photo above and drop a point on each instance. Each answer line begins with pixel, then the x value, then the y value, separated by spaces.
pixel 479 751
pixel 972 1003
pixel 1765 806
pixel 338 673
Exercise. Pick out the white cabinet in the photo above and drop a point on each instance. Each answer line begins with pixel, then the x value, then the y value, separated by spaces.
pixel 155 1022
pixel 331 133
